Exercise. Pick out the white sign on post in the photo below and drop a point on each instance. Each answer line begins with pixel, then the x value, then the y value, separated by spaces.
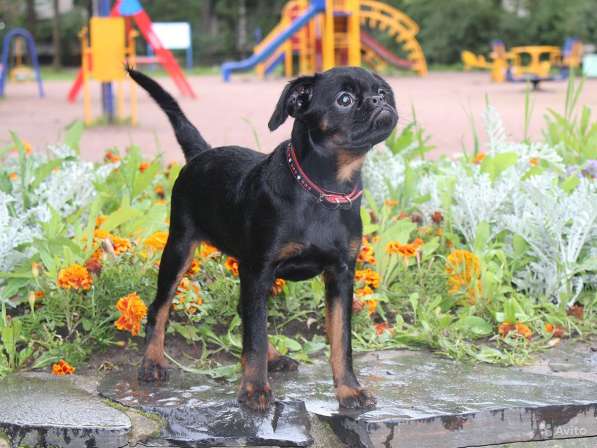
pixel 173 35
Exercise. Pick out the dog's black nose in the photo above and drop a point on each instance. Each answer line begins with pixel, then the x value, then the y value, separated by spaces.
pixel 375 100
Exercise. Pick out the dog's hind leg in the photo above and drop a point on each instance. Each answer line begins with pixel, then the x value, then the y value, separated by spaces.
pixel 255 285
pixel 176 257
pixel 339 291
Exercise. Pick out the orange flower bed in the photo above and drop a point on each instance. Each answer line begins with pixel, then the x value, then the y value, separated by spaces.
pixel 157 241
pixel 206 250
pixel 62 368
pixel 133 310
pixel 519 328
pixel 368 276
pixel 406 250
pixel 278 286
pixel 464 272
pixel 74 277
pixel 231 266
pixel 366 254
pixel 193 268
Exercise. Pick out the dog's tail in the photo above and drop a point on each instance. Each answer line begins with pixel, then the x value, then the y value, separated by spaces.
pixel 187 135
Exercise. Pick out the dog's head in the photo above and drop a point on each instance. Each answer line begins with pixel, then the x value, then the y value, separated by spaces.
pixel 348 108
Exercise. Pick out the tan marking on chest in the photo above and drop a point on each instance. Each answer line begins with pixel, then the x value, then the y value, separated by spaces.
pixel 347 165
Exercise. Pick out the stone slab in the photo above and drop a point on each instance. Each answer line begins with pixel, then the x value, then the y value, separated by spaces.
pixel 44 410
pixel 432 402
pixel 201 412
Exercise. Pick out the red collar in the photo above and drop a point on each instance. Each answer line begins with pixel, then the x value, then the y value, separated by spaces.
pixel 338 200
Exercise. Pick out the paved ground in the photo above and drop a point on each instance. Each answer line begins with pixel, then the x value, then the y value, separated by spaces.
pixel 232 113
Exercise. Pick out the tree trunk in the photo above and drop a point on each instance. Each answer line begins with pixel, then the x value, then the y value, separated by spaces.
pixel 31 17
pixel 57 63
pixel 241 41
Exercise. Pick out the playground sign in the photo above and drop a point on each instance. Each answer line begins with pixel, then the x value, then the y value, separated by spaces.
pixel 173 35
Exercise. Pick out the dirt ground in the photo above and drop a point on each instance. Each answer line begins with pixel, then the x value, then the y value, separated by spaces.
pixel 238 112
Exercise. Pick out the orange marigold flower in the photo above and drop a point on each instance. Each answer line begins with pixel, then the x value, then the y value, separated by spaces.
pixel 13 176
pixel 62 368
pixel 390 203
pixel 143 166
pixel 232 266
pixel 111 157
pixel 101 234
pixel 479 158
pixel 193 268
pixel 556 332
pixel 364 291
pixel 366 254
pixel 381 328
pixel 406 250
pixel 549 328
pixel 504 328
pixel 35 269
pixel 159 191
pixel 157 241
pixel 521 329
pixel 534 161
pixel 74 276
pixel 464 273
pixel 121 245
pixel 371 306
pixel 132 310
pixel 39 294
pixel 206 250
pixel 278 286
pixel 368 276
pixel 100 220
pixel 437 217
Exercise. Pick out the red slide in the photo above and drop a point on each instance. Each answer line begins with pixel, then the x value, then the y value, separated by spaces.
pixel 369 41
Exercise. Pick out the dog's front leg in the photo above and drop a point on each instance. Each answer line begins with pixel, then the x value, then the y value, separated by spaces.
pixel 255 284
pixel 339 289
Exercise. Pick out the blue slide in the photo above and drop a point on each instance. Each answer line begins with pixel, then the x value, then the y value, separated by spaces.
pixel 316 7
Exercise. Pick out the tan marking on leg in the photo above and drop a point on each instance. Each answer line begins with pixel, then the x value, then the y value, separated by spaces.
pixel 290 250
pixel 155 347
pixel 272 353
pixel 347 165
pixel 335 331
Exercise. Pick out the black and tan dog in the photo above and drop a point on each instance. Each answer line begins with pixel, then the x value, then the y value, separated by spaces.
pixel 292 214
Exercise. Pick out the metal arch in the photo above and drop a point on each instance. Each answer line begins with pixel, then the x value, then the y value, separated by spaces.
pixel 20 32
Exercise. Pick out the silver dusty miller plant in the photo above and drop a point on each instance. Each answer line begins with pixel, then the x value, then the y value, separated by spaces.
pixel 558 226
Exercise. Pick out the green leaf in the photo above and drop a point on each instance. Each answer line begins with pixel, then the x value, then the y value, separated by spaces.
pixel 482 236
pixel 475 325
pixel 496 165
pixel 570 184
pixel 72 137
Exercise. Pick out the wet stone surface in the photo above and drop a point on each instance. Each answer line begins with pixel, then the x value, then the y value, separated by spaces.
pixel 42 410
pixel 423 401
pixel 201 412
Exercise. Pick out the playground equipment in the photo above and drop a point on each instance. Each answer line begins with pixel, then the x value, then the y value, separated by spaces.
pixel 22 38
pixel 527 63
pixel 174 36
pixel 327 33
pixel 104 48
pixel 132 11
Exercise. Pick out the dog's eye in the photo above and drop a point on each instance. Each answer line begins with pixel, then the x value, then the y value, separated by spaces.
pixel 344 99
pixel 381 92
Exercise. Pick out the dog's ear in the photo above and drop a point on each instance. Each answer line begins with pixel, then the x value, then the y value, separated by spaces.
pixel 295 98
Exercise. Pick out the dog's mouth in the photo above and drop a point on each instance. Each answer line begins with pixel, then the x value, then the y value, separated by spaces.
pixel 381 123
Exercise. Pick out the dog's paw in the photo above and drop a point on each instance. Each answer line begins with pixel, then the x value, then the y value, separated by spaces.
pixel 354 397
pixel 282 364
pixel 151 370
pixel 255 397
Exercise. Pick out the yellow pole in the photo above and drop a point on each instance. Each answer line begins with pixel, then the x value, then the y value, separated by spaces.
pixel 354 33
pixel 85 54
pixel 133 85
pixel 328 36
